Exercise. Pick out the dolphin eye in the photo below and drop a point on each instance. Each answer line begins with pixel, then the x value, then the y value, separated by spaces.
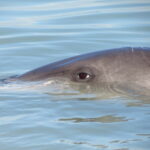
pixel 83 76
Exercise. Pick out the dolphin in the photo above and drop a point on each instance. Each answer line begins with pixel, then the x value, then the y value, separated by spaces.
pixel 122 69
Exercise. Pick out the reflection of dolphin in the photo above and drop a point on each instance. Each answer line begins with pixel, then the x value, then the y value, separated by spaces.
pixel 127 68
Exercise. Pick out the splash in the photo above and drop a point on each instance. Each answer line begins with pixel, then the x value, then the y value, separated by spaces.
pixel 51 86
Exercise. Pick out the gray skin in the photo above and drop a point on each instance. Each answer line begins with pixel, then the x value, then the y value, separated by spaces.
pixel 126 68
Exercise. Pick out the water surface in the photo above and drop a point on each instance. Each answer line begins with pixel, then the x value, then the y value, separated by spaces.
pixel 34 33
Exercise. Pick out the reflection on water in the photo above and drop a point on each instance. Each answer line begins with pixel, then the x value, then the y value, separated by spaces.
pixel 84 144
pixel 35 33
pixel 103 119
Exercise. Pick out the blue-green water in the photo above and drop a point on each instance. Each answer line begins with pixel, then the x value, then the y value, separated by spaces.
pixel 34 33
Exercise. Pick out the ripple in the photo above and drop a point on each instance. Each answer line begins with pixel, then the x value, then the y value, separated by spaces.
pixel 41 117
pixel 103 119
pixel 10 119
pixel 87 144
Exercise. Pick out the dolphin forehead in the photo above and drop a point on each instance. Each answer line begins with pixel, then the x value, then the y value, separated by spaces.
pixel 93 56
pixel 77 59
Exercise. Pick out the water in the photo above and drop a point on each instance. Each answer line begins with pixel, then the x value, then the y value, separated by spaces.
pixel 34 33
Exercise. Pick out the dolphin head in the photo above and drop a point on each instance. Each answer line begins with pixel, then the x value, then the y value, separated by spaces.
pixel 115 69
pixel 83 72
